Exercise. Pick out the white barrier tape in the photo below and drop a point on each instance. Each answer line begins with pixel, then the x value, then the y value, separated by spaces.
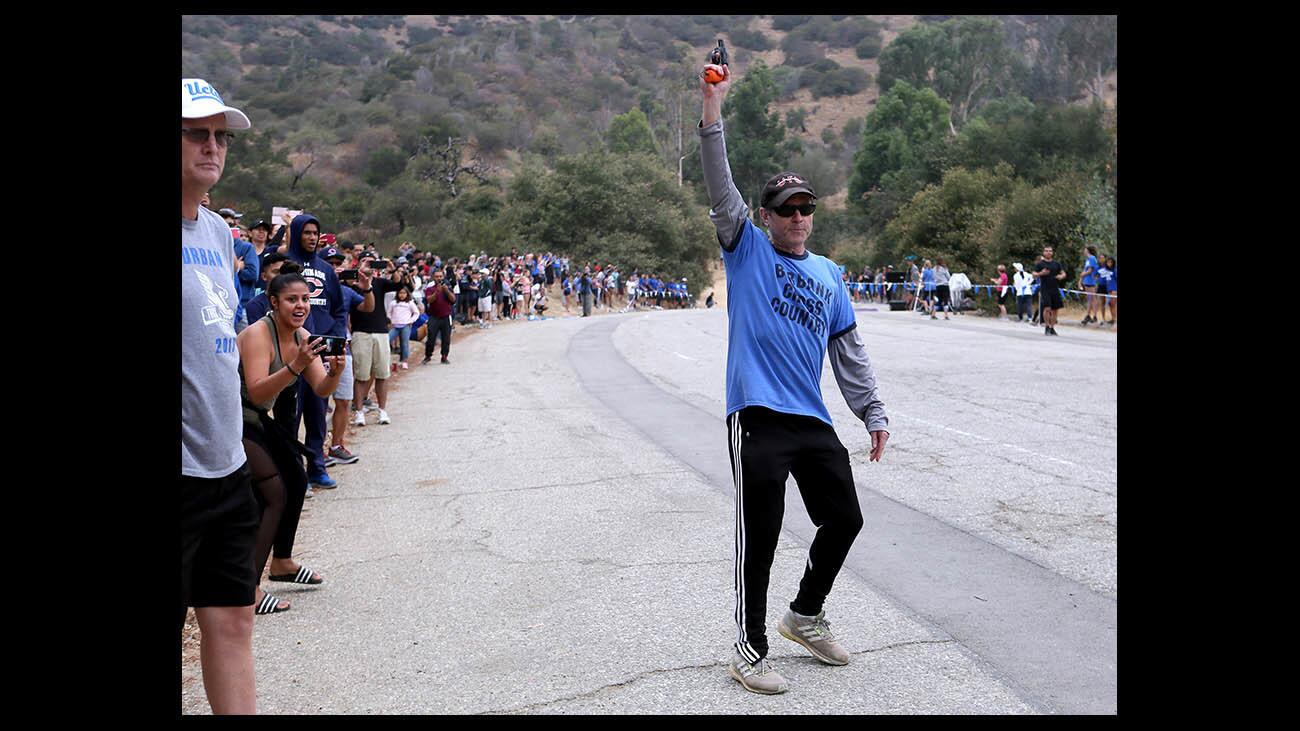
pixel 1094 294
pixel 877 288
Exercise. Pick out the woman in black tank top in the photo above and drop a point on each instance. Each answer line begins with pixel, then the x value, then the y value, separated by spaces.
pixel 273 353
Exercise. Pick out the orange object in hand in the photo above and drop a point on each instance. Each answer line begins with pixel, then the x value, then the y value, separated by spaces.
pixel 712 76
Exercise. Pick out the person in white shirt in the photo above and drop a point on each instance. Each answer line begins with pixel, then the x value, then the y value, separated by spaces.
pixel 1023 283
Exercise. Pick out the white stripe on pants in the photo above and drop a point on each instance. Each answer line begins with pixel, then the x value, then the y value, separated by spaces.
pixel 742 638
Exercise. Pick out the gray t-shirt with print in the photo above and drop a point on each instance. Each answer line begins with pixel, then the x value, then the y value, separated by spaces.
pixel 211 417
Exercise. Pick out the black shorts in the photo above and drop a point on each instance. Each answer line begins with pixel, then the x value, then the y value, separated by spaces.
pixel 1006 295
pixel 1051 298
pixel 1102 288
pixel 219 519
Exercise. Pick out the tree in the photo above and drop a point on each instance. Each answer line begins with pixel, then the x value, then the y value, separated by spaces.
pixel 404 203
pixel 796 119
pixel 965 60
pixel 1090 44
pixel 385 164
pixel 754 136
pixel 947 220
pixel 897 137
pixel 630 132
pixel 631 209
pixel 447 165
pixel 979 65
pixel 1099 223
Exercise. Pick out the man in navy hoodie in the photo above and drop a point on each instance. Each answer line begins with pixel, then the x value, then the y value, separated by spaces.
pixel 328 316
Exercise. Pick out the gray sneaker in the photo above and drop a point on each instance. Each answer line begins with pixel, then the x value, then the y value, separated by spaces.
pixel 814 633
pixel 760 677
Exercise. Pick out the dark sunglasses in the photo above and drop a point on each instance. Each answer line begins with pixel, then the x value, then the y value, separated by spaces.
pixel 788 209
pixel 199 135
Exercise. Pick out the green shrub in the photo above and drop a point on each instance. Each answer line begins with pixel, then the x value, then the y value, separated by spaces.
pixel 418 35
pixel 868 47
pixel 841 82
pixel 751 39
pixel 789 22
pixel 800 52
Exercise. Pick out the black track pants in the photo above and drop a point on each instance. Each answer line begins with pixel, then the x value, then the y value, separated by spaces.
pixel 766 447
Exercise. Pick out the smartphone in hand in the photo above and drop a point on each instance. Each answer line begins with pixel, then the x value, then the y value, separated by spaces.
pixel 333 345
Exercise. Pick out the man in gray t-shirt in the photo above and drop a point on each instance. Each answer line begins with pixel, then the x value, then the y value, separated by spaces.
pixel 219 513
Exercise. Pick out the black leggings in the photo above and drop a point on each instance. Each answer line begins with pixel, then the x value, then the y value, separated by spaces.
pixel 766 447
pixel 280 485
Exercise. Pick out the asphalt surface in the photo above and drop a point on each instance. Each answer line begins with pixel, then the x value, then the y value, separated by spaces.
pixel 547 526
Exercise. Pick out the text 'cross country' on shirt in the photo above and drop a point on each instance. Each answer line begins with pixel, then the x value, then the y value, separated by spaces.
pixel 782 310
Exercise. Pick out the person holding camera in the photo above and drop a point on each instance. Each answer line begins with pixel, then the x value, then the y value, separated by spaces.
pixel 787 310
pixel 438 302
pixel 327 317
pixel 371 357
pixel 275 354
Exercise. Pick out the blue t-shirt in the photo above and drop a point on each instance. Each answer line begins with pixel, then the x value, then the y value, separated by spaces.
pixel 351 298
pixel 927 279
pixel 1090 280
pixel 1106 277
pixel 781 312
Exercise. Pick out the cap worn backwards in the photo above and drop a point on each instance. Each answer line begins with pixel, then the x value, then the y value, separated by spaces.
pixel 200 99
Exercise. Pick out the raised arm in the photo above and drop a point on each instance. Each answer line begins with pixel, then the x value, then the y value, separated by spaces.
pixel 727 208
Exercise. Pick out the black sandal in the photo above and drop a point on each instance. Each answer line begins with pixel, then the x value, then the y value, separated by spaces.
pixel 304 576
pixel 270 604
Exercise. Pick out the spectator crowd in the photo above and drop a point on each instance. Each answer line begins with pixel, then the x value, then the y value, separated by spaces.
pixel 1037 293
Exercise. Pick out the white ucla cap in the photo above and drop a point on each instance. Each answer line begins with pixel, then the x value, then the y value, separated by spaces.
pixel 200 99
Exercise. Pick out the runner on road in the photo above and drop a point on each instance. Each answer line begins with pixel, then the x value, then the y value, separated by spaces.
pixel 786 309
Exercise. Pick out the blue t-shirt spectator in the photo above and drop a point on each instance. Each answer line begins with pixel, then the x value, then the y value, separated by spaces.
pixel 1090 277
pixel 246 279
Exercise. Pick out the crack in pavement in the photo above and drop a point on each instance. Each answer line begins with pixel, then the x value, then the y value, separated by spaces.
pixel 664 671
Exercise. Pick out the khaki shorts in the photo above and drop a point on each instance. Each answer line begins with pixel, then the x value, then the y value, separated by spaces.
pixel 370 356
pixel 344 390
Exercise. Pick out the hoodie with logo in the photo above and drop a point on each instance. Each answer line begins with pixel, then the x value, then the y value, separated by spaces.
pixel 328 314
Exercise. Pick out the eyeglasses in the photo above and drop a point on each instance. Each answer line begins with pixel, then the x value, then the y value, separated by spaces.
pixel 199 135
pixel 788 209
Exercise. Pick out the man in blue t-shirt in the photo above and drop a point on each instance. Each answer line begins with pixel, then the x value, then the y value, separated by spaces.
pixel 1088 279
pixel 786 311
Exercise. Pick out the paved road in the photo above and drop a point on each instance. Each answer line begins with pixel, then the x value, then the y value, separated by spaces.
pixel 547 527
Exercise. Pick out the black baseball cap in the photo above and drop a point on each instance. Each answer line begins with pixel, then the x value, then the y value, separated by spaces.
pixel 369 255
pixel 261 223
pixel 782 186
